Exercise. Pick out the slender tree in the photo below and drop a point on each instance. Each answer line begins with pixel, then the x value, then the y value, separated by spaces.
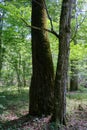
pixel 1 49
pixel 74 76
pixel 41 89
pixel 62 65
pixel 74 69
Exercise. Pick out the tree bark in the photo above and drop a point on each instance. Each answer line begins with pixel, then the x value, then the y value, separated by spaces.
pixel 62 65
pixel 41 89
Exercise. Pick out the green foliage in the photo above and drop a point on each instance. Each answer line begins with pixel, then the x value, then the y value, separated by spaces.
pixel 78 96
pixel 76 51
pixel 54 8
pixel 16 45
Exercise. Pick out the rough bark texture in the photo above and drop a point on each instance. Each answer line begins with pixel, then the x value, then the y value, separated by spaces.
pixel 41 89
pixel 74 76
pixel 62 65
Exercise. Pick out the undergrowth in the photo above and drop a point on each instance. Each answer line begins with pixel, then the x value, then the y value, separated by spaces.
pixel 14 104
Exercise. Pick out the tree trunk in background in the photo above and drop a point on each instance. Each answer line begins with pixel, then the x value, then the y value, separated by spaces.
pixel 18 78
pixel 74 69
pixel 41 89
pixel 24 73
pixel 62 65
pixel 17 66
pixel 1 26
pixel 74 76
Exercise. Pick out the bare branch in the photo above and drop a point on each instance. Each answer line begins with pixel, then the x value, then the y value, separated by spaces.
pixel 78 25
pixel 51 23
pixel 38 28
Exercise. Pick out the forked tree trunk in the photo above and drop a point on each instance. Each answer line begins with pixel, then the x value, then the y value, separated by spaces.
pixel 62 65
pixel 41 89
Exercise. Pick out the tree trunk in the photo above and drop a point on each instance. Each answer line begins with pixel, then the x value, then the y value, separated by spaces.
pixel 41 89
pixel 17 66
pixel 18 78
pixel 1 26
pixel 24 73
pixel 74 76
pixel 74 70
pixel 62 65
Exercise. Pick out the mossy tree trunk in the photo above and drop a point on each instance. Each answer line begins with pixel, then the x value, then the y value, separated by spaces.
pixel 62 65
pixel 41 89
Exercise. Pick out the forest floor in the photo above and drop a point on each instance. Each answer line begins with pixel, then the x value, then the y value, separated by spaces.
pixel 14 108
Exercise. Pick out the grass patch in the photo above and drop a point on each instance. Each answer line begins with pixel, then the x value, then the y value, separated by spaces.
pixel 74 99
pixel 12 103
pixel 77 96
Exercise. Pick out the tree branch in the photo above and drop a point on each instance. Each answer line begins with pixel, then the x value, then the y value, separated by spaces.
pixel 51 23
pixel 78 25
pixel 38 28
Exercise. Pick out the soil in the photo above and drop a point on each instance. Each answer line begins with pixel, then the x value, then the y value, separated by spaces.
pixel 76 121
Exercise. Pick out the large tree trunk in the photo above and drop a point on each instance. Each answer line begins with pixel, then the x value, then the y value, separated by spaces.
pixel 62 65
pixel 41 89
